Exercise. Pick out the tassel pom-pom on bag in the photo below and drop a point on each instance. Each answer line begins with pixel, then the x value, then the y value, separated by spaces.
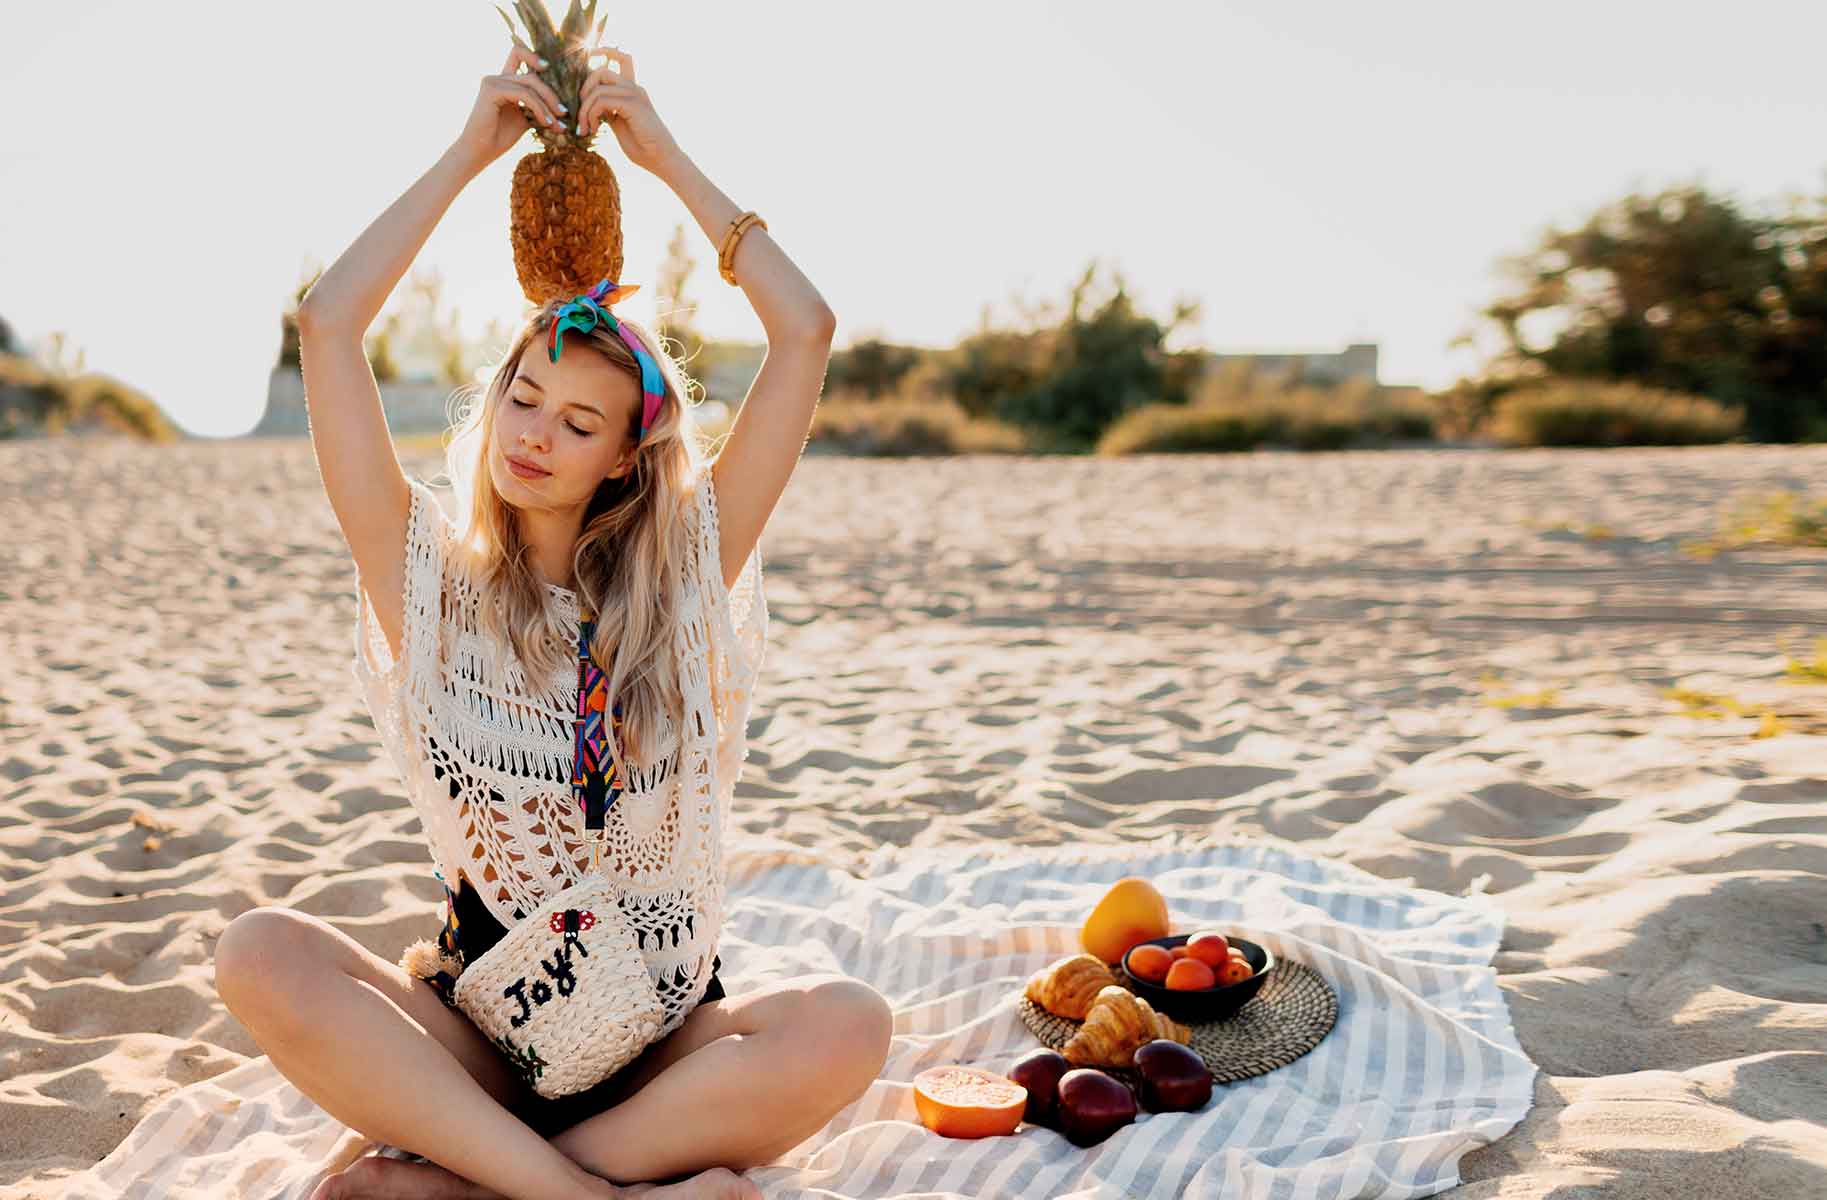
pixel 565 993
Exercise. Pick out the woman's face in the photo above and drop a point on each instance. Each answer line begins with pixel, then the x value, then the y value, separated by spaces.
pixel 570 417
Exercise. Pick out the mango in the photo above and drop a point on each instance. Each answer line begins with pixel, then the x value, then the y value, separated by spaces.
pixel 1132 911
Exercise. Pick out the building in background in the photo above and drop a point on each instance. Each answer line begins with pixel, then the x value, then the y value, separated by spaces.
pixel 411 405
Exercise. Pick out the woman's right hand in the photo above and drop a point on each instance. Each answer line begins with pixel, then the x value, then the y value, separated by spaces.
pixel 507 105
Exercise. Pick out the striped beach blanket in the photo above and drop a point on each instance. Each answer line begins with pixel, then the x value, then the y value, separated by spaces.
pixel 1422 1066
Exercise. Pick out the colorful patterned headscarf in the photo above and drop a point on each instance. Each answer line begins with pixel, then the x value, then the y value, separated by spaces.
pixel 583 313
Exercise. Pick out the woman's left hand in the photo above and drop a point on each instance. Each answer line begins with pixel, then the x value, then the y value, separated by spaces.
pixel 615 100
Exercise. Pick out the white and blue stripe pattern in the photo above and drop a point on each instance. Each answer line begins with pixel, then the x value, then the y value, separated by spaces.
pixel 1422 1066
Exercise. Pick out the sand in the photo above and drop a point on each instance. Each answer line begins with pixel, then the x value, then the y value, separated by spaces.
pixel 1450 667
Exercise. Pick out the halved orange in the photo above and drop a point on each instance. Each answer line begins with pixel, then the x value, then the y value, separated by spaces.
pixel 968 1102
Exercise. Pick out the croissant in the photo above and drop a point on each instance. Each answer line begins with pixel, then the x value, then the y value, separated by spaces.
pixel 1120 1023
pixel 1067 988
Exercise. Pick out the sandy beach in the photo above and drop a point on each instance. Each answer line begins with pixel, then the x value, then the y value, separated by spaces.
pixel 1450 667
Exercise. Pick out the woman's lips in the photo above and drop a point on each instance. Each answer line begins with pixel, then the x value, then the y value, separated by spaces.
pixel 526 472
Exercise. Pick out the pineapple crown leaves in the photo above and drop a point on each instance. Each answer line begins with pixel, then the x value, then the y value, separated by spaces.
pixel 563 48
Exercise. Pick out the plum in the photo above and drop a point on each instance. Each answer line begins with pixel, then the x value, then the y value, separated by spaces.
pixel 1093 1105
pixel 1174 1077
pixel 1039 1071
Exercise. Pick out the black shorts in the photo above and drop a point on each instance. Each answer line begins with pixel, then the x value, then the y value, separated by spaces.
pixel 469 931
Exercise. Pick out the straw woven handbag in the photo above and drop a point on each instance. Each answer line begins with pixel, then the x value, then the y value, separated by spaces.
pixel 565 993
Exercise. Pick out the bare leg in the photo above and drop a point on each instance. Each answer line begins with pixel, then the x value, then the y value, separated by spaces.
pixel 380 1052
pixel 743 1080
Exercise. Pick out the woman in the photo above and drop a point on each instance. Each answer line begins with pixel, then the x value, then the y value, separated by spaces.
pixel 583 489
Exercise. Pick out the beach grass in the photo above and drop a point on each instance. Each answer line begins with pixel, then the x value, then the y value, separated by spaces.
pixel 909 427
pixel 1498 696
pixel 1244 412
pixel 1812 670
pixel 1703 705
pixel 1581 412
pixel 1766 518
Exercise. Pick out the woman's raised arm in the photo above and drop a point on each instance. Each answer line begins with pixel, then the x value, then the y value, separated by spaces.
pixel 355 456
pixel 771 426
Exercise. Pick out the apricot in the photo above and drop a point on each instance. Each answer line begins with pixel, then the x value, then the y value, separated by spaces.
pixel 1209 948
pixel 1180 952
pixel 1235 970
pixel 1190 975
pixel 968 1102
pixel 1132 911
pixel 1150 962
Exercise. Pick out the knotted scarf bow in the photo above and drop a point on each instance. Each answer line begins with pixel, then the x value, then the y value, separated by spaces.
pixel 583 313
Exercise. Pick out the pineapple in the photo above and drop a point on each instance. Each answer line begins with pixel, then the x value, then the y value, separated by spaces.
pixel 565 210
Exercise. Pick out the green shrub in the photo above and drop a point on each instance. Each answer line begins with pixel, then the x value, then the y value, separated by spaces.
pixel 36 402
pixel 1180 428
pixel 1573 412
pixel 895 428
pixel 917 413
pixel 1063 372
pixel 1239 410
pixel 101 403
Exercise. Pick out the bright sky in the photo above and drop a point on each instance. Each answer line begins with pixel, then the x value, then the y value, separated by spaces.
pixel 1313 173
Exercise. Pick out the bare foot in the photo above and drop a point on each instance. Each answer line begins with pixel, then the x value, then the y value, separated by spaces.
pixel 718 1183
pixel 397 1179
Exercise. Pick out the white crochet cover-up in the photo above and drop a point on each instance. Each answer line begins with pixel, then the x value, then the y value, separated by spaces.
pixel 458 715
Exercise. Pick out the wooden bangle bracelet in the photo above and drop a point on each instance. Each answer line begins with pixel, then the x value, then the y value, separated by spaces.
pixel 726 253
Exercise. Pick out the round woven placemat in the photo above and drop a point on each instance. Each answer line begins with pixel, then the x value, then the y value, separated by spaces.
pixel 1292 1013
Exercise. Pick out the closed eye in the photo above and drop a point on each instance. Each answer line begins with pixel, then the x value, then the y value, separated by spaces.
pixel 568 425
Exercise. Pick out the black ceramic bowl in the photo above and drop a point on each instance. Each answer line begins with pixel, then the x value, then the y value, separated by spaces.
pixel 1208 1004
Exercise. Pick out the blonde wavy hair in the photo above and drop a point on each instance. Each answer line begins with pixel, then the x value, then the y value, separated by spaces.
pixel 630 553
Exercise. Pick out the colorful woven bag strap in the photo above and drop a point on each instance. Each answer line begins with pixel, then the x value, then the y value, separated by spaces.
pixel 596 781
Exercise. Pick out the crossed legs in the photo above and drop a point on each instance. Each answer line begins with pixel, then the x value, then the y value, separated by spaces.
pixel 743 1080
